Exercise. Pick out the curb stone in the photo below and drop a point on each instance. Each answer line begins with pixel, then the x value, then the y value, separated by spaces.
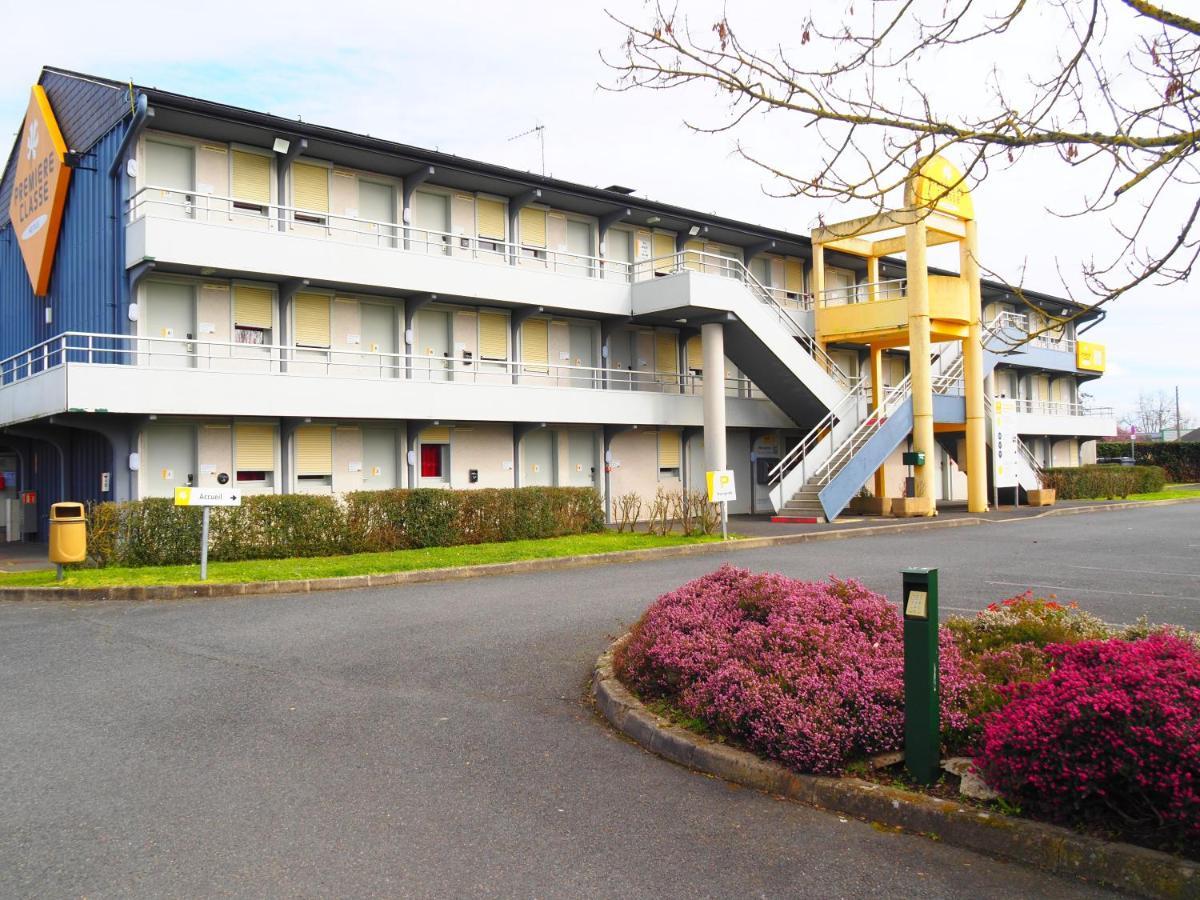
pixel 1138 870
pixel 452 573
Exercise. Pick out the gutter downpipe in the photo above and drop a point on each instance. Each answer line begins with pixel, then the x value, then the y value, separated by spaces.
pixel 142 112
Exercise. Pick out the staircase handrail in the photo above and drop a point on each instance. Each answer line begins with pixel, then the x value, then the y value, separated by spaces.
pixel 817 433
pixel 873 421
pixel 678 261
pixel 1031 461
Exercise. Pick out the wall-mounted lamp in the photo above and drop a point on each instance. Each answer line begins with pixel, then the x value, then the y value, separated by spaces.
pixel 281 145
pixel 694 230
pixel 654 220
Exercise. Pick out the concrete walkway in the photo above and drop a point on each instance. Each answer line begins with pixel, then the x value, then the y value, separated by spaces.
pixel 19 556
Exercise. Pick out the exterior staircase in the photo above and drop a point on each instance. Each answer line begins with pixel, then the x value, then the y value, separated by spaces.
pixel 818 477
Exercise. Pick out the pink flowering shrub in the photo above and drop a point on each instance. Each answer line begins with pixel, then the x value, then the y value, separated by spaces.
pixel 1111 738
pixel 806 673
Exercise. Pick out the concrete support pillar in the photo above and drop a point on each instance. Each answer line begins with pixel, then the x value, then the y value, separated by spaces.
pixel 712 334
pixel 915 246
pixel 973 373
pixel 876 401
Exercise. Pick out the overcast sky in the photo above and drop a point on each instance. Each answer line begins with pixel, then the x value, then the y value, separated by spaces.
pixel 466 77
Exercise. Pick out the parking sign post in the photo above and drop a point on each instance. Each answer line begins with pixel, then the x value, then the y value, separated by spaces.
pixel 721 490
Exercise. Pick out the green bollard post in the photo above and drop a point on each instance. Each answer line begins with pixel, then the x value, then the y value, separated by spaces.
pixel 922 721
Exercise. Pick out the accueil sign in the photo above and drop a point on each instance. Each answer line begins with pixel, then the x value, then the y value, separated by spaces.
pixel 39 190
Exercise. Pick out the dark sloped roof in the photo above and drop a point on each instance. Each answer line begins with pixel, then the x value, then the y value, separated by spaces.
pixel 86 109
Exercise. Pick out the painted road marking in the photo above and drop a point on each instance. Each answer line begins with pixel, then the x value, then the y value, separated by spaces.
pixel 1079 590
pixel 1137 571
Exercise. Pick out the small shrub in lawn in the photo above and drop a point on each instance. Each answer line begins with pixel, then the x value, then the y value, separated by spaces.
pixel 806 673
pixel 1110 739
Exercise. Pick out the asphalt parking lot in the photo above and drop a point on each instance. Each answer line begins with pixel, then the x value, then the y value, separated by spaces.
pixel 433 740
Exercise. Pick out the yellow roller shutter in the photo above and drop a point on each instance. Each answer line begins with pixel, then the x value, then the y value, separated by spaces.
pixel 493 336
pixel 669 450
pixel 436 434
pixel 310 187
pixel 489 216
pixel 535 347
pixel 533 227
pixel 692 258
pixel 252 307
pixel 314 450
pixel 251 177
pixel 666 352
pixel 312 320
pixel 793 276
pixel 695 354
pixel 663 248
pixel 255 447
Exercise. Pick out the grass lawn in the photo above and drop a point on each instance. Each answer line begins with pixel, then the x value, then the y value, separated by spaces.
pixel 1170 492
pixel 356 564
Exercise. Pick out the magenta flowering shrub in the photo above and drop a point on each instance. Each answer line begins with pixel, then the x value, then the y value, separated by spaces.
pixel 806 673
pixel 1111 738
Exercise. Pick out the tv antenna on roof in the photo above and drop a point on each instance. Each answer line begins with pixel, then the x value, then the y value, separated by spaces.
pixel 540 131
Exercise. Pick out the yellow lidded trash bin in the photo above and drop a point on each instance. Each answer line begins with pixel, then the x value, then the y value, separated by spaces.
pixel 68 533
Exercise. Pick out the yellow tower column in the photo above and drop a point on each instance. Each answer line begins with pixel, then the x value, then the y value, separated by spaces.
pixel 973 373
pixel 919 348
pixel 876 400
pixel 816 282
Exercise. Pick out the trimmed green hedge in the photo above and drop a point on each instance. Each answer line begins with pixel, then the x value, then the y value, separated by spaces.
pixel 1108 482
pixel 1181 460
pixel 155 532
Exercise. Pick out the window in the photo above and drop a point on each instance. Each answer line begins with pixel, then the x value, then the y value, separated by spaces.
pixel 670 453
pixel 312 320
pixel 489 224
pixel 252 318
pixel 666 357
pixel 431 460
pixel 535 346
pixel 664 253
pixel 493 336
pixel 310 192
pixel 793 279
pixel 533 232
pixel 250 180
pixel 314 453
pixel 695 355
pixel 254 453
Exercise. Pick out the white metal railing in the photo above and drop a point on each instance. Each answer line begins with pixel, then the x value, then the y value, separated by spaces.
pixel 866 292
pixel 220 210
pixel 87 348
pixel 728 267
pixel 1034 465
pixel 873 421
pixel 848 406
pixel 1055 408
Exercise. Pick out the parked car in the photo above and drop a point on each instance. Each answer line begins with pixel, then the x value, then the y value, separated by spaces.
pixel 1116 461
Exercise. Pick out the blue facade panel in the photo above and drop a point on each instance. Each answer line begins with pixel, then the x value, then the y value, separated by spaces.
pixel 87 282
